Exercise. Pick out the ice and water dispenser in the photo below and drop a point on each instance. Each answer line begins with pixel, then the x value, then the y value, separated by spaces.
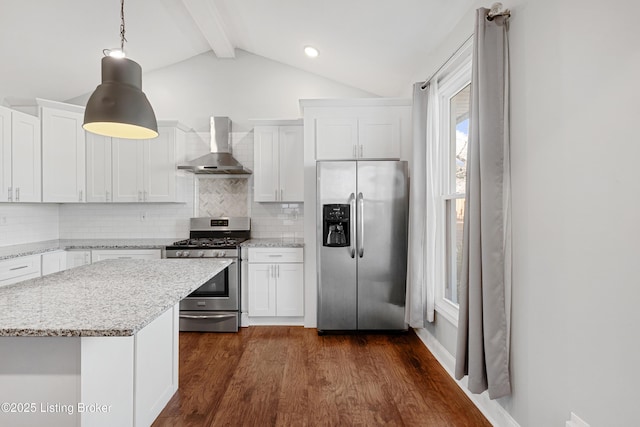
pixel 335 225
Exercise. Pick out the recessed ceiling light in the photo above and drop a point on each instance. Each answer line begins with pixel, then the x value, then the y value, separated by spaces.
pixel 311 51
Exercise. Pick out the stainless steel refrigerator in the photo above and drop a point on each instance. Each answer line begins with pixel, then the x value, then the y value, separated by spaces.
pixel 362 221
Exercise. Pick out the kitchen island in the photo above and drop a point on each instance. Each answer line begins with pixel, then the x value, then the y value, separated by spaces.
pixel 96 345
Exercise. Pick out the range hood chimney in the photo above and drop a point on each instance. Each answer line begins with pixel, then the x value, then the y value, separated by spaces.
pixel 220 160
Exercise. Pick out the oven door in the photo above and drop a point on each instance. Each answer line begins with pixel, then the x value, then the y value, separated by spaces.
pixel 219 293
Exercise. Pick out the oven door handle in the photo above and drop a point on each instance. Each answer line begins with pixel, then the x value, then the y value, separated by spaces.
pixel 206 316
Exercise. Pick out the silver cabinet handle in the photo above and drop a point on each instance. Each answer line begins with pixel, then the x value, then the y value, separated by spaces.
pixel 361 151
pixel 10 194
pixel 278 270
pixel 275 256
pixel 106 196
pixel 17 194
pixel 145 197
pixel 361 223
pixel 206 316
pixel 352 220
pixel 281 194
pixel 18 268
pixel 80 196
pixel 139 196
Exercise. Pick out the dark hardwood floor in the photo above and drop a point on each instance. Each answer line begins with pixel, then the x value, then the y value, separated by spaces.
pixel 290 376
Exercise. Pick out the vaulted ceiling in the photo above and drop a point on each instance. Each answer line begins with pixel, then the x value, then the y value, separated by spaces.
pixel 52 49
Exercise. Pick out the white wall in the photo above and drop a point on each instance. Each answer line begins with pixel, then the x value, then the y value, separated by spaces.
pixel 576 203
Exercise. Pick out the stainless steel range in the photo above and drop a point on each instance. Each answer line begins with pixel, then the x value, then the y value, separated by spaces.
pixel 214 306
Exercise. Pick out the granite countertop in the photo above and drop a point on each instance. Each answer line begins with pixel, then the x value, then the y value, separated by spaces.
pixel 109 298
pixel 25 249
pixel 273 243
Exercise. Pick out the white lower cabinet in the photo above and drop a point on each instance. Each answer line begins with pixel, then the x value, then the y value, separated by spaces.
pixel 55 261
pixel 16 270
pixel 276 282
pixel 102 254
pixel 77 258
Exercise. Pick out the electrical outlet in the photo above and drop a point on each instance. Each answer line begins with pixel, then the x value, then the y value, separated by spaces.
pixel 143 216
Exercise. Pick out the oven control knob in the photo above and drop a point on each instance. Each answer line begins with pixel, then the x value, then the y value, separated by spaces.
pixel 185 254
pixel 201 254
pixel 178 253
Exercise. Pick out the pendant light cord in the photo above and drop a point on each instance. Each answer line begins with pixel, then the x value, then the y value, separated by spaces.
pixel 122 38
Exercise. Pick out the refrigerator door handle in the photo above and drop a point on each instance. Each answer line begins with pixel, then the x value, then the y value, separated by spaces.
pixel 352 221
pixel 361 224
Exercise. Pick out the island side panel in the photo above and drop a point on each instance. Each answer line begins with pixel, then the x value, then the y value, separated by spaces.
pixel 40 381
pixel 156 366
pixel 107 384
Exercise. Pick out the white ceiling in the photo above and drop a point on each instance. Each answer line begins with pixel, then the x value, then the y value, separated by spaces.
pixel 52 49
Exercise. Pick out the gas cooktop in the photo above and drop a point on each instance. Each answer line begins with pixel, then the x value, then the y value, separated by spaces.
pixel 209 242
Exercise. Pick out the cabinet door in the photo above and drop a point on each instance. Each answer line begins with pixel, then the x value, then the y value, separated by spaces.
pixel 379 138
pixel 262 290
pixel 126 156
pixel 336 138
pixel 98 168
pixel 291 164
pixel 5 154
pixel 78 258
pixel 26 157
pixel 159 167
pixel 63 156
pixel 265 164
pixel 52 262
pixel 289 290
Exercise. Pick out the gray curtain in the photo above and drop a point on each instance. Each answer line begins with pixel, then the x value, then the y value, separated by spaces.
pixel 485 294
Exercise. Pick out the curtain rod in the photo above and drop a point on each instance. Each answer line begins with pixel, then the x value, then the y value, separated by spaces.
pixel 496 10
pixel 426 82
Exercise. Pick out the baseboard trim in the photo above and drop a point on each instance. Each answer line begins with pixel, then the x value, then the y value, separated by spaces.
pixel 491 409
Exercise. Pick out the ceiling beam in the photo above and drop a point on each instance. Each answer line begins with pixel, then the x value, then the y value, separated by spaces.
pixel 209 21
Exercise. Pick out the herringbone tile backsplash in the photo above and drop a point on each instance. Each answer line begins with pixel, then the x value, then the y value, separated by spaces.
pixel 223 197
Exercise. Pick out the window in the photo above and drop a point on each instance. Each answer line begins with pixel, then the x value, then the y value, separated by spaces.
pixel 453 93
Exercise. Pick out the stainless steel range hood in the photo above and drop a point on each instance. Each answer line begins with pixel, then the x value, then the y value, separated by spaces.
pixel 220 160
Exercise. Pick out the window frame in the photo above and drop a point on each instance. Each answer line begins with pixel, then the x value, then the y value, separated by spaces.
pixel 453 78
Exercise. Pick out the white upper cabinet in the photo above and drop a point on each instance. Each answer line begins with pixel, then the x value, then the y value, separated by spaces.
pixel 5 155
pixel 358 129
pixel 374 137
pixel 98 168
pixel 278 174
pixel 159 166
pixel 336 138
pixel 20 162
pixel 125 170
pixel 126 158
pixel 63 152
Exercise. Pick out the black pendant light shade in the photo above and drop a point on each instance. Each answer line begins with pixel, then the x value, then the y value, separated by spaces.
pixel 118 107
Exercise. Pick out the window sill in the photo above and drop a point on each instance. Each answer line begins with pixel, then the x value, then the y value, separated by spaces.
pixel 448 310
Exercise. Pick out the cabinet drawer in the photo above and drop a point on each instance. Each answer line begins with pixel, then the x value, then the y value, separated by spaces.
pixel 102 254
pixel 18 269
pixel 275 255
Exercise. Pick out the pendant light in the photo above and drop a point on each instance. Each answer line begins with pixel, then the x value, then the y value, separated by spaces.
pixel 118 107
